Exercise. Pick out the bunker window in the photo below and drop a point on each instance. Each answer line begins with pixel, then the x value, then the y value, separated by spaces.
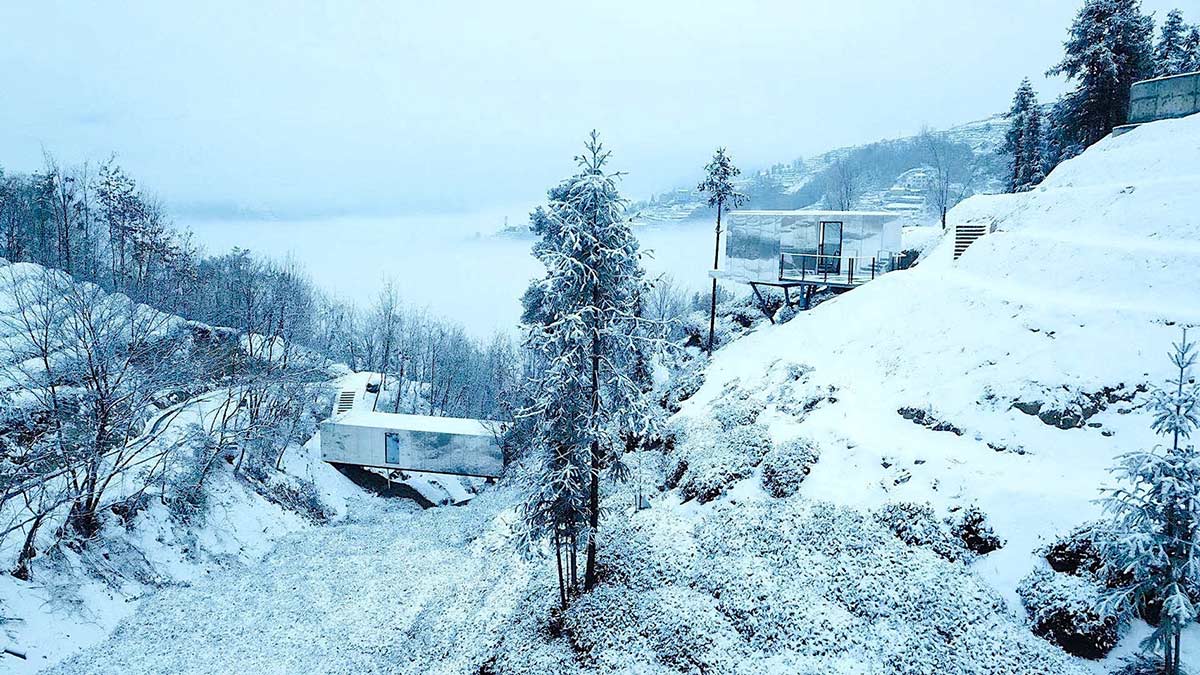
pixel 391 445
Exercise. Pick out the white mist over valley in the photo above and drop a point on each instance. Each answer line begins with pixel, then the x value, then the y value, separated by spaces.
pixel 457 266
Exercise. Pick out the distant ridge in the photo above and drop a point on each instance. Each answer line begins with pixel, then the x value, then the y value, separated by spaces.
pixel 896 177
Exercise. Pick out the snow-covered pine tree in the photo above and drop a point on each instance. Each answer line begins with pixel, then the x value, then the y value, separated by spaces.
pixel 1191 50
pixel 589 338
pixel 1170 57
pixel 718 185
pixel 1108 49
pixel 1024 140
pixel 1153 536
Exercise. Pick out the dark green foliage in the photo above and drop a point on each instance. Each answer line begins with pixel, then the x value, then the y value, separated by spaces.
pixel 1065 610
pixel 1171 54
pixel 973 530
pixel 1024 142
pixel 1107 50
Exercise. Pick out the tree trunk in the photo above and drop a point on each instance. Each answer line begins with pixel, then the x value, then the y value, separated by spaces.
pixel 712 313
pixel 562 585
pixel 28 550
pixel 1175 658
pixel 399 388
pixel 574 560
pixel 589 574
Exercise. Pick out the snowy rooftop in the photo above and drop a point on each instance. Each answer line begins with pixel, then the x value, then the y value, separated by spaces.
pixel 815 213
pixel 423 423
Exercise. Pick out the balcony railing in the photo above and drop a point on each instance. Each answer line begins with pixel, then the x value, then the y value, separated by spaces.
pixel 837 270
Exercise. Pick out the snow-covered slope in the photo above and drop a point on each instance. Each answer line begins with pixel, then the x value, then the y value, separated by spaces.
pixel 77 593
pixel 1068 306
pixel 1021 362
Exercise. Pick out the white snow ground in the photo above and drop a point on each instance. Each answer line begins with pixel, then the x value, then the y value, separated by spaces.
pixel 1083 286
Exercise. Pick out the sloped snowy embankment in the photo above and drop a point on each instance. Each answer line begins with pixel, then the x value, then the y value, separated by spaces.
pixel 1073 300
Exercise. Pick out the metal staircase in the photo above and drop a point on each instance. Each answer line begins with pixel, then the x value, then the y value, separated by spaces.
pixel 965 235
pixel 345 401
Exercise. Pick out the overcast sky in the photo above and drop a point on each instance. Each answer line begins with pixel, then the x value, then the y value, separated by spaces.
pixel 384 107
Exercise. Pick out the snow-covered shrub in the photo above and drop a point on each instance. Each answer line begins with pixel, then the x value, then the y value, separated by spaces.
pixel 187 505
pixel 736 315
pixel 916 525
pixel 736 408
pixel 777 611
pixel 709 476
pixel 289 491
pixel 1064 610
pixel 684 386
pixel 786 313
pixel 798 371
pixel 973 530
pixel 185 497
pixel 127 509
pixel 787 465
pixel 798 398
pixel 676 473
pixel 825 584
pixel 691 636
pixel 647 551
pixel 613 627
pixel 746 315
pixel 1078 553
pixel 716 459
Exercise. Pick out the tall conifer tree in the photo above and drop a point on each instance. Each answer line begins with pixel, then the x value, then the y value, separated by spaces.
pixel 1170 54
pixel 1024 142
pixel 1108 49
pixel 718 185
pixel 588 335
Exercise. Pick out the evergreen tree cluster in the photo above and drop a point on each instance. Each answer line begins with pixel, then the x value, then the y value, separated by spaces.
pixel 1108 48
pixel 1110 45
pixel 1178 48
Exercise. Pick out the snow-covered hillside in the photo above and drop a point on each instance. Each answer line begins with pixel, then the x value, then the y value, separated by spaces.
pixel 1064 311
pixel 1005 381
pixel 148 535
pixel 901 186
pixel 788 531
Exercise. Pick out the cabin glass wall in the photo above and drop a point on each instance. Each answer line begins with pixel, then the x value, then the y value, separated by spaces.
pixel 752 246
pixel 800 236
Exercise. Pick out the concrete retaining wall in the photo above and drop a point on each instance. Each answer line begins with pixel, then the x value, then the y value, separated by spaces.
pixel 1164 98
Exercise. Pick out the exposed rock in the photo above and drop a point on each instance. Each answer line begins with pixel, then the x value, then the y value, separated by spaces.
pixel 926 419
pixel 1076 412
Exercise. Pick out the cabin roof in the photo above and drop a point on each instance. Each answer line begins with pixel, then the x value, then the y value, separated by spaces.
pixel 819 214
pixel 425 423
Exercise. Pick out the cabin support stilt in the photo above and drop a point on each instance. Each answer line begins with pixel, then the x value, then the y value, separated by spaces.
pixel 762 303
